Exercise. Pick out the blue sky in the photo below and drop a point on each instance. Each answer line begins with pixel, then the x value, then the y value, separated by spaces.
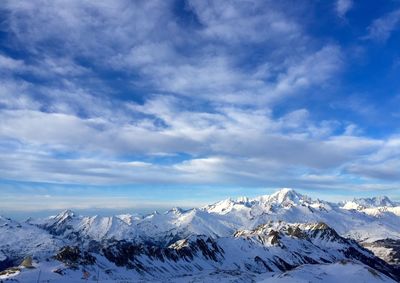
pixel 135 105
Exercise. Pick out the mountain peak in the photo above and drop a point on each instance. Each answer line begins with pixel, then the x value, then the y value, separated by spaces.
pixel 175 210
pixel 287 194
pixel 285 197
pixel 64 215
pixel 286 190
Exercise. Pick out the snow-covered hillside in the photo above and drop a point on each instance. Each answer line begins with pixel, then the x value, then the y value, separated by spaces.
pixel 271 248
pixel 20 239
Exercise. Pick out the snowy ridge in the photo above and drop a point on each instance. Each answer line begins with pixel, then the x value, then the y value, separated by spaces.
pixel 362 203
pixel 74 227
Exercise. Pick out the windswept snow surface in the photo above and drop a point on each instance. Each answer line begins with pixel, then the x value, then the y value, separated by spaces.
pixel 343 272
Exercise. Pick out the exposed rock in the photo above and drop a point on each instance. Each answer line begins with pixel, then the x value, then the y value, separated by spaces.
pixel 72 257
pixel 387 249
pixel 27 262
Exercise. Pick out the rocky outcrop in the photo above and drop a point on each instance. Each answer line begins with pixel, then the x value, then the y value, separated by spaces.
pixel 73 257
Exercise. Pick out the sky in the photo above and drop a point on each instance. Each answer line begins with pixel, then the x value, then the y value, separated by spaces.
pixel 142 105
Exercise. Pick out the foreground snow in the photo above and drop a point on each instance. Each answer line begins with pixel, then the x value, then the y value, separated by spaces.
pixel 343 272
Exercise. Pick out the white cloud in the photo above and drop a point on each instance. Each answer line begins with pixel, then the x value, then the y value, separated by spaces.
pixel 87 28
pixel 230 146
pixel 8 63
pixel 313 69
pixel 382 28
pixel 382 164
pixel 343 6
pixel 144 40
pixel 249 21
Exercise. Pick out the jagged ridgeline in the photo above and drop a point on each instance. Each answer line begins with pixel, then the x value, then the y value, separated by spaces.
pixel 244 239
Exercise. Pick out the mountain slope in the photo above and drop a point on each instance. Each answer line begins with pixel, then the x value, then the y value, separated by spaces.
pixel 271 248
pixel 18 240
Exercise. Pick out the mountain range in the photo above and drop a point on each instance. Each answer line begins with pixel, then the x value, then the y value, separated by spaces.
pixel 271 237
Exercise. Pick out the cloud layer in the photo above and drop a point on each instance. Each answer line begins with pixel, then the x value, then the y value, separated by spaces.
pixel 181 92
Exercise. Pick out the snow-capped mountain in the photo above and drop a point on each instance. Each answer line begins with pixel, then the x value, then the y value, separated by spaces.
pixel 225 217
pixel 74 227
pixel 289 206
pixel 362 203
pixel 284 198
pixel 267 234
